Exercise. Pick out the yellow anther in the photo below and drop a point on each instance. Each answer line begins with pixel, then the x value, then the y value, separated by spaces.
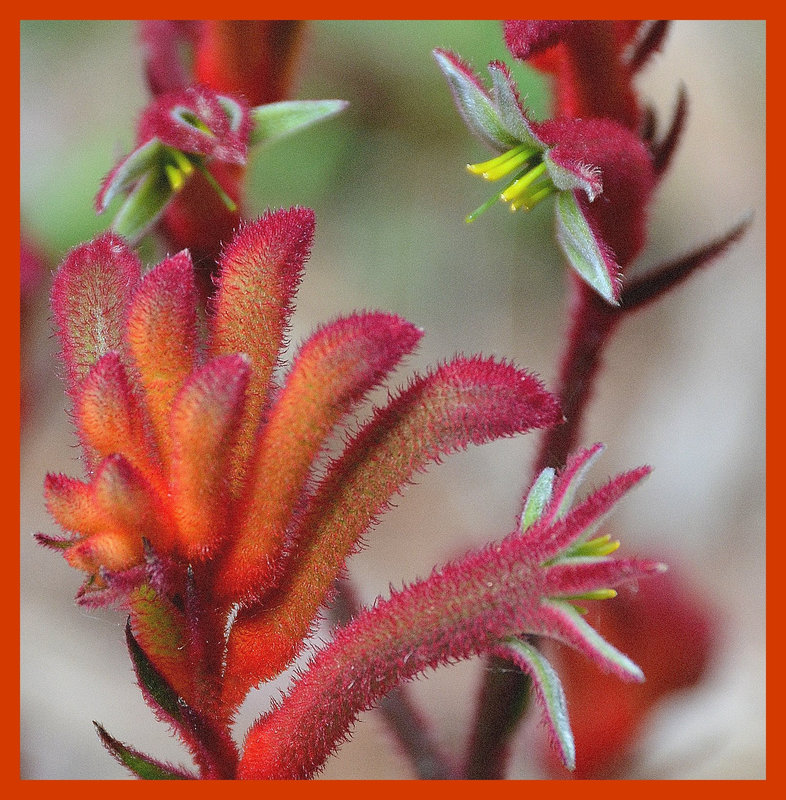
pixel 175 176
pixel 519 188
pixel 184 163
pixel 593 594
pixel 600 594
pixel 529 201
pixel 504 164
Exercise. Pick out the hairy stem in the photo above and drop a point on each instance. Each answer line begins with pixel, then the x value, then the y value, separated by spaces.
pixel 398 710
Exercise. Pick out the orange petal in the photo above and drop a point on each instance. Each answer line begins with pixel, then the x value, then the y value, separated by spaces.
pixel 205 418
pixel 469 400
pixel 70 502
pixel 332 372
pixel 260 271
pixel 110 418
pixel 162 338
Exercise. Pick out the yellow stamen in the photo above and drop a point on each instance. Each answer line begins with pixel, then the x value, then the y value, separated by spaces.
pixel 175 176
pixel 600 594
pixel 518 188
pixel 503 165
pixel 528 202
pixel 184 163
pixel 594 594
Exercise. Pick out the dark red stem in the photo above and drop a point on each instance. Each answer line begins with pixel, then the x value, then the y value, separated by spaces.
pixel 592 320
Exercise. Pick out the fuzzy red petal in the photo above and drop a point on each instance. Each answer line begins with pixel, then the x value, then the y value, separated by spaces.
pixel 123 510
pixel 465 401
pixel 462 609
pixel 162 338
pixel 109 417
pixel 260 272
pixel 568 481
pixel 620 214
pixel 69 501
pixel 336 367
pixel 90 296
pixel 575 576
pixel 196 121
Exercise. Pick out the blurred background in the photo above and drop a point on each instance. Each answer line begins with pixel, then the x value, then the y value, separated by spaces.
pixel 683 387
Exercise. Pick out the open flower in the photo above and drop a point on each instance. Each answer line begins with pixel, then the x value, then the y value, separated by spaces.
pixel 196 132
pixel 601 173
pixel 672 633
pixel 534 581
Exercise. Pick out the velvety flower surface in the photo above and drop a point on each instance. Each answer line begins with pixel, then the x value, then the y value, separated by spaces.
pixel 202 512
pixel 534 581
pixel 601 173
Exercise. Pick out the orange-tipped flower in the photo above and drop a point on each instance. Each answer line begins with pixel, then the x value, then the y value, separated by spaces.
pixel 202 512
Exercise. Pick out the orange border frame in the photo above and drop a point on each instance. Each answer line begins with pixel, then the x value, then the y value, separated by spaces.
pixel 9 413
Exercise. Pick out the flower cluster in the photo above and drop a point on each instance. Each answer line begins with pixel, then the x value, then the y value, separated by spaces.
pixel 578 160
pixel 204 517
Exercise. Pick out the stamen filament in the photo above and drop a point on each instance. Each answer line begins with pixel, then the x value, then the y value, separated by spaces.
pixel 519 187
pixel 517 154
pixel 599 546
pixel 490 202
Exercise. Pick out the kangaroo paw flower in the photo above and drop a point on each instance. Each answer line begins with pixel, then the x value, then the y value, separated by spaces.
pixel 577 160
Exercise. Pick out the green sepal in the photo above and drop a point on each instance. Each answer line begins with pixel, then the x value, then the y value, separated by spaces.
pixel 475 106
pixel 550 692
pixel 591 259
pixel 144 205
pixel 537 498
pixel 605 651
pixel 144 159
pixel 275 120
pixel 509 111
pixel 154 686
pixel 141 765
